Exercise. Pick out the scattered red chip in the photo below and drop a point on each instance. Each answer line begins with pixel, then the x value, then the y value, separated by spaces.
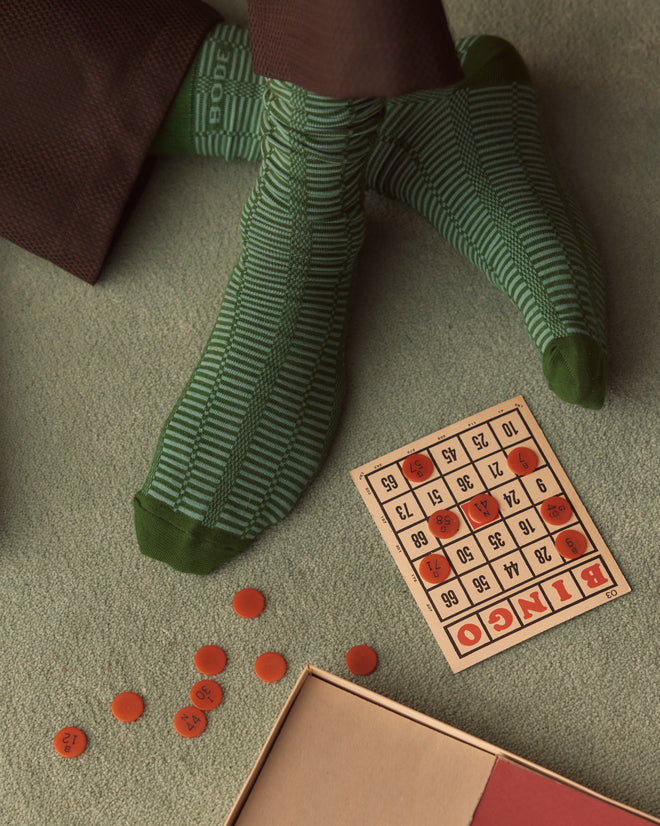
pixel 206 695
pixel 556 510
pixel 270 667
pixel 483 509
pixel 571 544
pixel 522 460
pixel 444 524
pixel 189 721
pixel 434 568
pixel 248 603
pixel 210 660
pixel 70 742
pixel 361 660
pixel 127 706
pixel 417 467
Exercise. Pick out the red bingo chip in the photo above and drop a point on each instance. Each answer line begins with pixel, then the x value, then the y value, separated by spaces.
pixel 434 568
pixel 248 603
pixel 361 660
pixel 483 508
pixel 556 510
pixel 189 721
pixel 571 544
pixel 270 667
pixel 444 524
pixel 210 660
pixel 127 706
pixel 70 742
pixel 206 695
pixel 522 460
pixel 417 468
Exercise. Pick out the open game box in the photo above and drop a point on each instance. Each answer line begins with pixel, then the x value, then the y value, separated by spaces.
pixel 341 754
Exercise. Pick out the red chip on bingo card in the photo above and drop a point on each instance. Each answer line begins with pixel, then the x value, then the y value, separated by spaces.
pixel 522 460
pixel 571 544
pixel 434 568
pixel 443 523
pixel 417 468
pixel 483 508
pixel 555 510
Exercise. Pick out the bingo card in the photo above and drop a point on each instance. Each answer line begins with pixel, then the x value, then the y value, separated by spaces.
pixel 489 533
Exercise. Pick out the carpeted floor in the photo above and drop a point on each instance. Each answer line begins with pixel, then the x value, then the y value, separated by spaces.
pixel 88 374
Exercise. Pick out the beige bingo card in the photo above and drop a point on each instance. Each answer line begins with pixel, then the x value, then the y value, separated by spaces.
pixel 489 533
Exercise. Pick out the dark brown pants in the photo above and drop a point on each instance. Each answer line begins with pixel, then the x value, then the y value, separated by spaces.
pixel 84 87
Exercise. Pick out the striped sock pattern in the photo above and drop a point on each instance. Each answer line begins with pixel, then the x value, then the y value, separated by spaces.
pixel 217 109
pixel 473 161
pixel 506 212
pixel 255 420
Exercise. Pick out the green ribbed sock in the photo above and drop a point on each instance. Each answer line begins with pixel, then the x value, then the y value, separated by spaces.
pixel 218 106
pixel 255 420
pixel 474 162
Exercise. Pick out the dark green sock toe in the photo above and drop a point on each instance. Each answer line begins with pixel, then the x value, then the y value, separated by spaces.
pixel 491 61
pixel 181 541
pixel 576 370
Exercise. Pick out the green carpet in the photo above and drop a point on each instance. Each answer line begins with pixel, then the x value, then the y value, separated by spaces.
pixel 88 374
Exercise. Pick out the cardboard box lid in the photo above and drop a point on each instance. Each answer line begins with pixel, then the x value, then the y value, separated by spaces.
pixel 341 759
pixel 341 754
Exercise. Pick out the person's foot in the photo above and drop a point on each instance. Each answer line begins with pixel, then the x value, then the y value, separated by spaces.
pixel 256 418
pixel 474 162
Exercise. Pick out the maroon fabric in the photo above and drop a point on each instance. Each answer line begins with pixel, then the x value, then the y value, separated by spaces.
pixel 354 48
pixel 84 87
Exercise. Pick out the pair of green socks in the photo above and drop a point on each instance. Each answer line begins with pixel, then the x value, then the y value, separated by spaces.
pixel 255 420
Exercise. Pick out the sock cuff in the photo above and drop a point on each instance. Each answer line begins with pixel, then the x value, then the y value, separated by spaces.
pixel 226 96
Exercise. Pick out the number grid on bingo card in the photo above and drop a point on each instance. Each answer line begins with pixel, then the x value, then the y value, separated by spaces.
pixel 509 578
